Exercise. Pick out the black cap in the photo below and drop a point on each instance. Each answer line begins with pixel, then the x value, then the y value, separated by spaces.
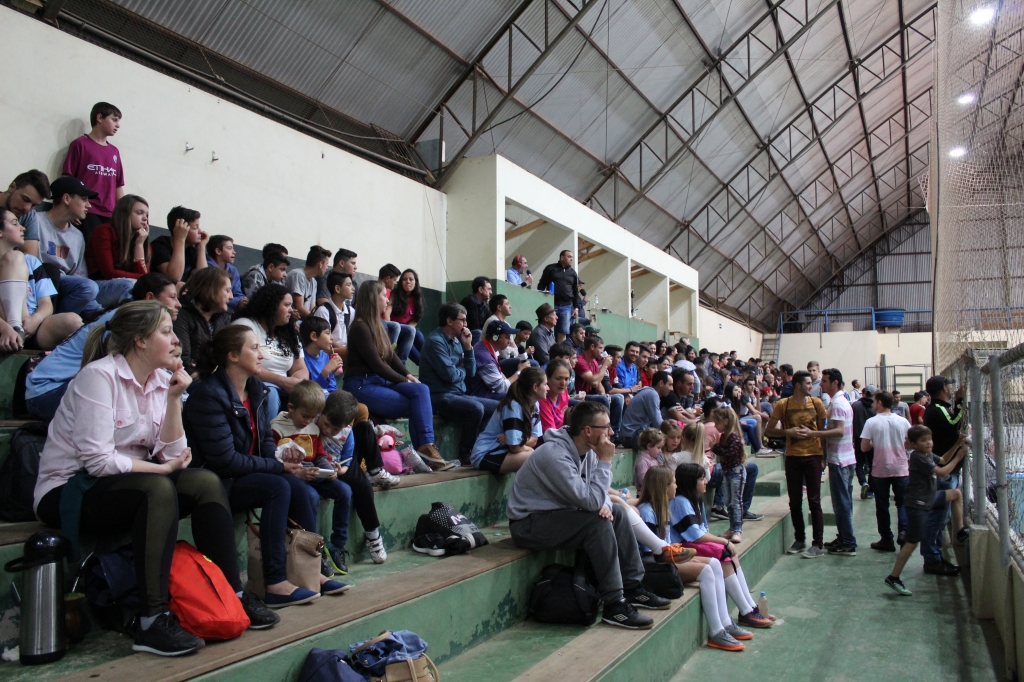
pixel 936 384
pixel 66 184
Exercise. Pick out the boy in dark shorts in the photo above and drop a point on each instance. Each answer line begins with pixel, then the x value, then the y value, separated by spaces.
pixel 922 497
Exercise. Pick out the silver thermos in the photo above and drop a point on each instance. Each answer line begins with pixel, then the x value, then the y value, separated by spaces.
pixel 43 636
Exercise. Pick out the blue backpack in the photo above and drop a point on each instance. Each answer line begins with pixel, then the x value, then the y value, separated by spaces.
pixel 324 665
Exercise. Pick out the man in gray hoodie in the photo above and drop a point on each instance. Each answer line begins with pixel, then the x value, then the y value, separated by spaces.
pixel 559 500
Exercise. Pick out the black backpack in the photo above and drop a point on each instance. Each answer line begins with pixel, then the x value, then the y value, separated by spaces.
pixel 564 595
pixel 662 579
pixel 19 471
pixel 332 317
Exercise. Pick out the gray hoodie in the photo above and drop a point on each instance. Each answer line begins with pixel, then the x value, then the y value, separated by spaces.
pixel 554 478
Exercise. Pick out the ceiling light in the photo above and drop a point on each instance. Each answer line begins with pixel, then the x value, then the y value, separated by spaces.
pixel 982 16
pixel 966 98
pixel 957 152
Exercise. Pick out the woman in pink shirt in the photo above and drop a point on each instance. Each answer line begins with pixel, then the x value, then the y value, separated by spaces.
pixel 407 308
pixel 553 407
pixel 116 449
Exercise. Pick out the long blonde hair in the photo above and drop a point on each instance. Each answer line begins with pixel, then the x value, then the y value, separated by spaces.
pixel 369 312
pixel 728 416
pixel 655 493
pixel 132 321
pixel 694 435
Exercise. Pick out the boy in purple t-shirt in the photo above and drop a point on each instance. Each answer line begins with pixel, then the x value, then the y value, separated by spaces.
pixel 97 163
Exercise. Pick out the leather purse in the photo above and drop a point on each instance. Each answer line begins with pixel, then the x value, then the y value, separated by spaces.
pixel 303 550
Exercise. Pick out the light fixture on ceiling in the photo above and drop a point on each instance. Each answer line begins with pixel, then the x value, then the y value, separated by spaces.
pixel 957 152
pixel 966 98
pixel 982 16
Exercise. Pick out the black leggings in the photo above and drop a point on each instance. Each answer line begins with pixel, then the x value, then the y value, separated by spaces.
pixel 150 505
pixel 366 450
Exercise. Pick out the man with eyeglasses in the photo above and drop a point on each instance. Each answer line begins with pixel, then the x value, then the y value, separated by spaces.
pixel 559 500
pixel 445 362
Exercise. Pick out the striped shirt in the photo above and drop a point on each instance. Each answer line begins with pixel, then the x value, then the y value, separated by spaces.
pixel 840 450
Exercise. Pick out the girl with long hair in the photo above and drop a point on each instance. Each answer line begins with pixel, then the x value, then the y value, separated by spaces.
pixel 121 248
pixel 556 402
pixel 116 460
pixel 656 508
pixel 269 315
pixel 673 441
pixel 517 418
pixel 204 311
pixel 692 451
pixel 407 308
pixel 732 456
pixel 747 422
pixel 377 377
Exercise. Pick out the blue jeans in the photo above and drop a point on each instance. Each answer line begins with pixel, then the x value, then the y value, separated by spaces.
pixel 564 319
pixel 80 294
pixel 880 487
pixel 417 346
pixel 45 406
pixel 931 542
pixel 749 427
pixel 748 486
pixel 469 412
pixel 403 336
pixel 732 485
pixel 840 484
pixel 281 497
pixel 614 403
pixel 394 401
pixel 341 493
pixel 275 398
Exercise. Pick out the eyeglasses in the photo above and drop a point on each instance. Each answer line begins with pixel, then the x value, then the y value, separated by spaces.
pixel 460 319
pixel 605 426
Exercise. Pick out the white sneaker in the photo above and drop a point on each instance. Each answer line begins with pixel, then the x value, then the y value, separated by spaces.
pixel 376 550
pixel 764 452
pixel 385 479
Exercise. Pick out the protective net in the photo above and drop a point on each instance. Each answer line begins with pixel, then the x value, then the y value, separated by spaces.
pixel 975 200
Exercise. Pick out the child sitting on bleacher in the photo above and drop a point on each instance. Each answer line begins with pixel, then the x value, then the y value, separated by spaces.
pixel 692 451
pixel 296 426
pixel 673 441
pixel 651 442
pixel 318 352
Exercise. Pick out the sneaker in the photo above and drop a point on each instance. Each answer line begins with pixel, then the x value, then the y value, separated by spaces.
pixel 813 552
pixel 796 547
pixel 166 637
pixel 939 568
pixel 675 554
pixel 864 490
pixel 260 617
pixel 724 641
pixel 951 567
pixel 336 557
pixel 376 550
pixel 897 584
pixel 843 550
pixel 901 538
pixel 884 545
pixel 412 460
pixel 432 456
pixel 326 569
pixel 769 616
pixel 832 543
pixel 751 516
pixel 334 587
pixel 963 534
pixel 431 544
pixel 754 620
pixel 643 598
pixel 871 495
pixel 385 479
pixel 719 514
pixel 623 615
pixel 736 632
pixel 764 452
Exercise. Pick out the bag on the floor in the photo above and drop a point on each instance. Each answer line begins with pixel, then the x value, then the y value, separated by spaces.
pixel 19 471
pixel 662 579
pixel 302 558
pixel 461 534
pixel 108 581
pixel 563 595
pixel 201 597
pixel 327 665
pixel 394 656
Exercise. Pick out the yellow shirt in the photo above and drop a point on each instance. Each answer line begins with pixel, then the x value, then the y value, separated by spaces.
pixel 811 414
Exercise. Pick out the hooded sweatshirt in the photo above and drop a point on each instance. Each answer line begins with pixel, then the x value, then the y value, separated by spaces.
pixel 556 478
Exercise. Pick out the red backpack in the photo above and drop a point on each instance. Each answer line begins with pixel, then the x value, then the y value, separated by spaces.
pixel 201 597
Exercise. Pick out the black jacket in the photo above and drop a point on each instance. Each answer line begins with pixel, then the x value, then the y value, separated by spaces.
pixel 218 431
pixel 476 312
pixel 567 284
pixel 194 332
pixel 944 421
pixel 863 410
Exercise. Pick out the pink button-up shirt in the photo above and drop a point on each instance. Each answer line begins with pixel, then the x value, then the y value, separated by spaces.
pixel 105 420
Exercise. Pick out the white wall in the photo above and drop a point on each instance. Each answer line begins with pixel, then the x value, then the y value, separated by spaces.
pixel 718 333
pixel 851 352
pixel 271 183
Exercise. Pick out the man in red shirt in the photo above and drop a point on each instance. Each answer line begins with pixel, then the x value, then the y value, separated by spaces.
pixel 592 376
pixel 97 163
pixel 921 399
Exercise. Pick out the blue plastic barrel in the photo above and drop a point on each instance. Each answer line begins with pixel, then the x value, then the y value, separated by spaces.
pixel 889 317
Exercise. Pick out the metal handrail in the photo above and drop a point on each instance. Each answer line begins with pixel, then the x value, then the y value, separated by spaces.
pixel 839 312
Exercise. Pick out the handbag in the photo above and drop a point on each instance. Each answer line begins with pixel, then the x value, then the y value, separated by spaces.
pixel 302 549
pixel 327 665
pixel 394 656
pixel 564 595
pixel 662 579
pixel 201 597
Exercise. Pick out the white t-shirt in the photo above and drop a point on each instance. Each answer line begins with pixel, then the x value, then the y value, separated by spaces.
pixel 887 433
pixel 277 358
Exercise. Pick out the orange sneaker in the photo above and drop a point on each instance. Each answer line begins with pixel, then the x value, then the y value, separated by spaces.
pixel 724 641
pixel 675 554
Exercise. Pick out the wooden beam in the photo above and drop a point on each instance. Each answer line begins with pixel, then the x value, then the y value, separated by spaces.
pixel 676 287
pixel 639 273
pixel 585 244
pixel 593 253
pixel 523 229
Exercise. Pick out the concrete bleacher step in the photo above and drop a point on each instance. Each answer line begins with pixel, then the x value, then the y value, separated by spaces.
pixel 771 484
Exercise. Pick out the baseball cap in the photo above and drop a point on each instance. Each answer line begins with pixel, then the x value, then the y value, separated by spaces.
pixel 499 327
pixel 936 384
pixel 66 184
pixel 870 389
